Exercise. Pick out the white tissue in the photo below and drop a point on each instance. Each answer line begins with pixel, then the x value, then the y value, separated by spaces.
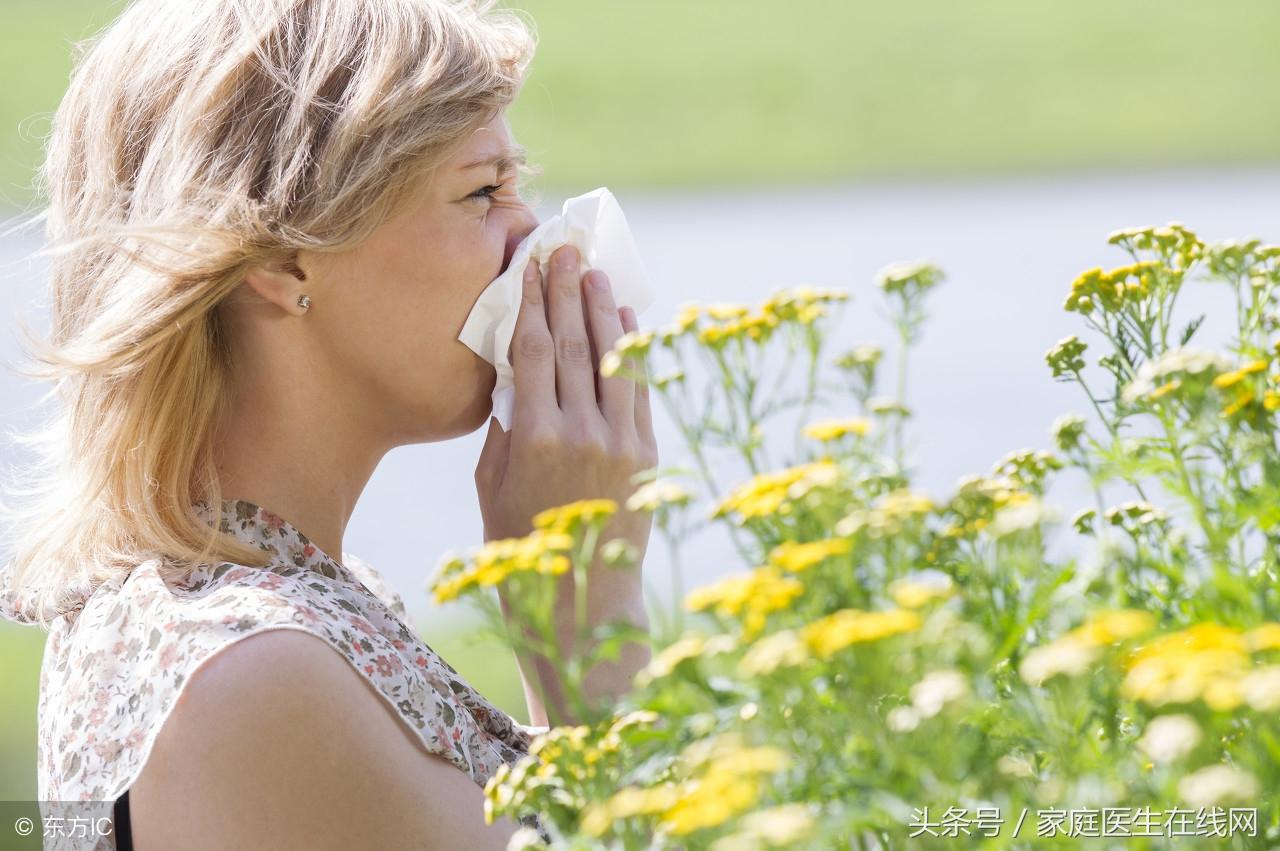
pixel 593 223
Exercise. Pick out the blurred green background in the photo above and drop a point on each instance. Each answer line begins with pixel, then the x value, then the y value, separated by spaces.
pixel 716 93
pixel 695 96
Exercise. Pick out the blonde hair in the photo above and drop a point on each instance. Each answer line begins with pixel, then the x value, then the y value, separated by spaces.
pixel 196 139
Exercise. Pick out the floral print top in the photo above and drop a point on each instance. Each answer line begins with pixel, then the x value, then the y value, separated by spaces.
pixel 119 652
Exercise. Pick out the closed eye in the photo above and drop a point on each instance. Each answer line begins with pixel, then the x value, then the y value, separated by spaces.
pixel 486 191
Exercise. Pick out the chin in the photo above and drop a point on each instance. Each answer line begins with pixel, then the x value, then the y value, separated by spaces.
pixel 463 420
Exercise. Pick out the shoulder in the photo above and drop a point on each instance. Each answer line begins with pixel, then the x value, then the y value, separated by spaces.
pixel 277 741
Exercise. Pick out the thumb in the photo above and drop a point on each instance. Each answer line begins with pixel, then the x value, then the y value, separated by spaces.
pixel 493 455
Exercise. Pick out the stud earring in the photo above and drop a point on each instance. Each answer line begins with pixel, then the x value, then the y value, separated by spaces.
pixel 304 301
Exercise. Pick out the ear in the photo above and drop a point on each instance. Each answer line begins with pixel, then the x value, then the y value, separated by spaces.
pixel 279 282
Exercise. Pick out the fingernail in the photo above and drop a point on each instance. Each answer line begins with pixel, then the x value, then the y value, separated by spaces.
pixel 568 257
pixel 531 271
pixel 598 281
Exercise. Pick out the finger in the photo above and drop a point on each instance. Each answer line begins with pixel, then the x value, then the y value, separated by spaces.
pixel 575 379
pixel 616 394
pixel 532 352
pixel 643 412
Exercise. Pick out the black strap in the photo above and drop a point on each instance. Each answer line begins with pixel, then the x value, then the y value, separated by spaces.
pixel 123 829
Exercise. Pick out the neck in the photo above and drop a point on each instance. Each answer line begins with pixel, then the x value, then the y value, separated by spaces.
pixel 306 465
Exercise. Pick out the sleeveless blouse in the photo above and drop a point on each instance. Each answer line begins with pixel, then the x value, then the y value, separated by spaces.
pixel 119 652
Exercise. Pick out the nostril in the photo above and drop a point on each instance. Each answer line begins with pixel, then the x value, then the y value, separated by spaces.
pixel 513 242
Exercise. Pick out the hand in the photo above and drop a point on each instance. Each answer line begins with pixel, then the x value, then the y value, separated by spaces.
pixel 574 435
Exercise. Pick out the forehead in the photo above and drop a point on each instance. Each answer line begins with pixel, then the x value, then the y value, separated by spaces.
pixel 491 139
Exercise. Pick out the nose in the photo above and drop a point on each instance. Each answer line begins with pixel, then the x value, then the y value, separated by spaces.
pixel 522 225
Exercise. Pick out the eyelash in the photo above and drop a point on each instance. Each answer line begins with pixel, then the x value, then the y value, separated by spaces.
pixel 486 191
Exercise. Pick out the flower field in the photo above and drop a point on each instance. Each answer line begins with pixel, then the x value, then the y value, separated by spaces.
pixel 891 670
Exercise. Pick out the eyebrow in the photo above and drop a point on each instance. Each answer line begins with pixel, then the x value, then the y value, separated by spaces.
pixel 505 160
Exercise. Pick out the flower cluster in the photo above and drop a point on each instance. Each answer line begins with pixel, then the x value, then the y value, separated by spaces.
pixel 1137 516
pixel 1114 290
pixel 631 344
pixel 1074 652
pixel 715 779
pixel 888 514
pixel 715 325
pixel 767 493
pixel 838 630
pixel 883 648
pixel 1183 372
pixel 750 597
pixel 1028 468
pixel 543 551
pixel 1067 356
pixel 795 556
pixel 1174 245
pixel 1208 662
pixel 573 516
pixel 830 430
pixel 909 279
pixel 977 500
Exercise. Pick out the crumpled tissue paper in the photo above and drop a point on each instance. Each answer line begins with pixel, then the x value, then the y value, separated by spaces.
pixel 594 224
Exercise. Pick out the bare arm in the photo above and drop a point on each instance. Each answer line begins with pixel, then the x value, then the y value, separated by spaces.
pixel 277 742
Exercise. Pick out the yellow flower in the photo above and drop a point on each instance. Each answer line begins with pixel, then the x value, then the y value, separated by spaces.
pixel 1074 652
pixel 826 430
pixel 769 492
pixel 1239 403
pixel 567 518
pixel 752 596
pixel 810 312
pixel 687 315
pixel 625 803
pixel 760 326
pixel 711 801
pixel 727 782
pixel 630 344
pixel 904 502
pixel 557 741
pixel 724 312
pixel 1110 626
pixel 541 551
pixel 838 630
pixel 1235 376
pixel 800 303
pixel 665 661
pixel 1205 662
pixel 794 556
pixel 714 336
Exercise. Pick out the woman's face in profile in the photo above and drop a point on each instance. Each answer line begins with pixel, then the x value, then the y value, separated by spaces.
pixel 394 305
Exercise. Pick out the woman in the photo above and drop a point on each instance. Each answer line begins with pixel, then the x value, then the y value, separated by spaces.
pixel 272 218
